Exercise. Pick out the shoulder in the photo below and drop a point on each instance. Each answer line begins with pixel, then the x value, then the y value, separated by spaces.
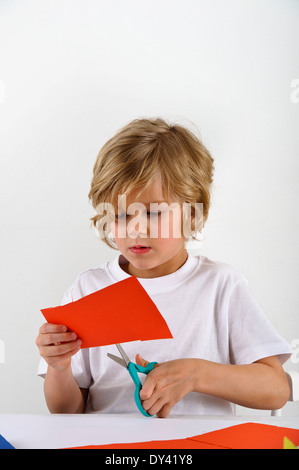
pixel 88 281
pixel 218 277
pixel 220 273
pixel 98 273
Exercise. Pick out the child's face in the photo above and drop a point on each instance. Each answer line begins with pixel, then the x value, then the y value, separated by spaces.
pixel 157 228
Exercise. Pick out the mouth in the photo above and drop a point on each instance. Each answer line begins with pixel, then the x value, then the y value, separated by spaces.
pixel 139 249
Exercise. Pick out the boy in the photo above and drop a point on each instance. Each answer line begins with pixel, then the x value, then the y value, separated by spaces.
pixel 223 348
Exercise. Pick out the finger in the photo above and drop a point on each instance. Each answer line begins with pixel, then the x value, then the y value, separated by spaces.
pixel 54 360
pixel 55 338
pixel 148 387
pixel 52 328
pixel 59 350
pixel 164 411
pixel 140 361
pixel 149 403
pixel 58 338
pixel 156 407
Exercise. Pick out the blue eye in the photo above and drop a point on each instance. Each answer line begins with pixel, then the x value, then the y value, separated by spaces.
pixel 149 214
pixel 154 214
pixel 120 216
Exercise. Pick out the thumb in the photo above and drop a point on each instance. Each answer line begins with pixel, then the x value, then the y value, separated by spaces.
pixel 140 361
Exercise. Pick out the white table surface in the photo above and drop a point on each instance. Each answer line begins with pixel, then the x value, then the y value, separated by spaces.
pixel 25 431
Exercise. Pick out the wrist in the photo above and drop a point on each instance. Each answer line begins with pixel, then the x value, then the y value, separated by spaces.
pixel 57 372
pixel 200 376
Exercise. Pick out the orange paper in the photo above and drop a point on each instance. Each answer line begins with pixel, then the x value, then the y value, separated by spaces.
pixel 242 436
pixel 168 444
pixel 250 436
pixel 118 313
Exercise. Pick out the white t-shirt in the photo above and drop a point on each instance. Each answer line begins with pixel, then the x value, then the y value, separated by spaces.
pixel 211 314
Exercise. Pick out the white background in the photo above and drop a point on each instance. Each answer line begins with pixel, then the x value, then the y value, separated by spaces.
pixel 71 74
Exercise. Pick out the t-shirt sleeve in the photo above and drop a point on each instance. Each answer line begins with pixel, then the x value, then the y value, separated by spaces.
pixel 251 335
pixel 79 362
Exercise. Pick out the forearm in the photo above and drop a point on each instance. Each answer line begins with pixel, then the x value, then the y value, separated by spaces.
pixel 256 385
pixel 62 392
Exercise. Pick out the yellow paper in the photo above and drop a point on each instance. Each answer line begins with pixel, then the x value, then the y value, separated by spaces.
pixel 287 444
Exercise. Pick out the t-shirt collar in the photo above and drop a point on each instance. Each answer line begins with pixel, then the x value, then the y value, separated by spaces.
pixel 156 284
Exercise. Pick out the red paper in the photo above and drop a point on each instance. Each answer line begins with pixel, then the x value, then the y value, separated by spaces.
pixel 242 436
pixel 118 313
pixel 169 444
pixel 250 436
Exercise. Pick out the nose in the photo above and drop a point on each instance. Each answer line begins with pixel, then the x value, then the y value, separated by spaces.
pixel 137 226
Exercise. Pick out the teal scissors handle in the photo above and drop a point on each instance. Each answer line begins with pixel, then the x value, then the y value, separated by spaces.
pixel 133 369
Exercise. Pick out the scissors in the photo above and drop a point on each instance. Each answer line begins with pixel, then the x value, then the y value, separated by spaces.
pixel 133 369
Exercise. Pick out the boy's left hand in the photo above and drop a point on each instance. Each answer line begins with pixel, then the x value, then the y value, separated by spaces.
pixel 166 384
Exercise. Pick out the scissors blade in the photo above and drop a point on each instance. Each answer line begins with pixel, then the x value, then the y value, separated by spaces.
pixel 117 359
pixel 123 354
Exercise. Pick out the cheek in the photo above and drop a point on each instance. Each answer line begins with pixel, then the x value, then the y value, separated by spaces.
pixel 171 227
pixel 118 230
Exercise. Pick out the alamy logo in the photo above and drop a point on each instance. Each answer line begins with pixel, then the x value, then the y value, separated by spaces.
pixel 159 220
pixel 295 347
pixel 294 97
pixel 2 91
pixel 2 355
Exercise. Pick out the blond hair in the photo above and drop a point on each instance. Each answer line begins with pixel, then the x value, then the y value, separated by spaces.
pixel 147 150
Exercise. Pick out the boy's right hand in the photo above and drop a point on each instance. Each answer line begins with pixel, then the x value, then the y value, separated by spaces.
pixel 57 345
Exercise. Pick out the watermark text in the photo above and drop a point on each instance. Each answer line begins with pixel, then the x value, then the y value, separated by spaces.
pixel 2 352
pixel 154 220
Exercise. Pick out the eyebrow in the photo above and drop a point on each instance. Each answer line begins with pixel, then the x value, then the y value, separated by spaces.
pixel 148 203
pixel 152 202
